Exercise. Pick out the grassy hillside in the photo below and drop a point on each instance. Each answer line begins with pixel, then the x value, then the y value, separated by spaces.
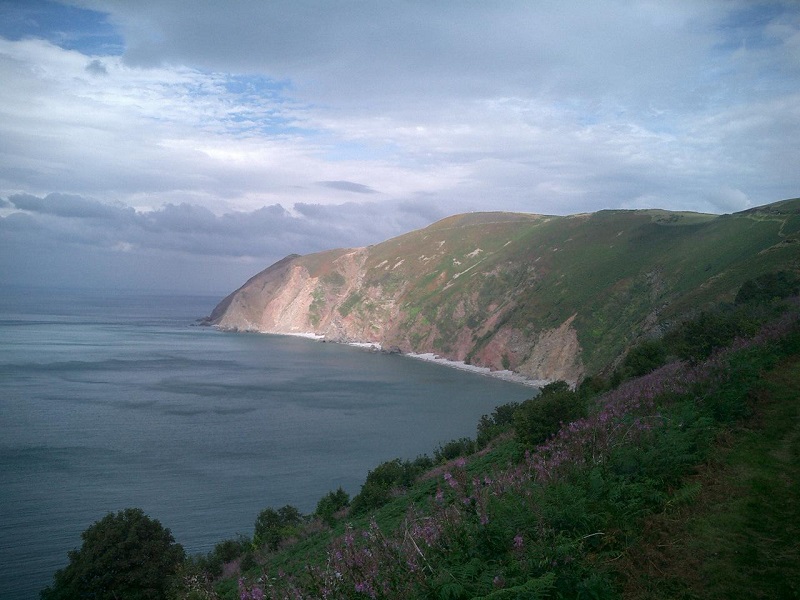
pixel 682 482
pixel 673 474
pixel 485 287
pixel 738 537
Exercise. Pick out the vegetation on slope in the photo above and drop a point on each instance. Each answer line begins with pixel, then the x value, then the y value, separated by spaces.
pixel 484 287
pixel 565 495
pixel 572 516
pixel 737 538
pixel 677 477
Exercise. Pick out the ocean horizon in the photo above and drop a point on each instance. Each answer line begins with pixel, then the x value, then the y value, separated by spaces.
pixel 117 399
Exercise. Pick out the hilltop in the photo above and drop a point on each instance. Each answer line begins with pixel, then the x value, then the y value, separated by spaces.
pixel 548 297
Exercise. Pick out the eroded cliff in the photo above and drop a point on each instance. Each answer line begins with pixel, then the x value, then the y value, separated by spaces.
pixel 547 297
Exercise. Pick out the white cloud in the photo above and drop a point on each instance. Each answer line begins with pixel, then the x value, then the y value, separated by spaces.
pixel 212 110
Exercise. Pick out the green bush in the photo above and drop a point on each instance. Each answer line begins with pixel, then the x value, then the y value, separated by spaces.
pixel 273 526
pixel 768 287
pixel 710 330
pixel 539 418
pixel 490 426
pixel 224 552
pixel 643 358
pixel 453 449
pixel 330 504
pixel 756 303
pixel 377 489
pixel 124 555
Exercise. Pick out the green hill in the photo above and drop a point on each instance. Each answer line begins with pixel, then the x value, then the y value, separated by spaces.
pixel 681 482
pixel 548 297
pixel 675 475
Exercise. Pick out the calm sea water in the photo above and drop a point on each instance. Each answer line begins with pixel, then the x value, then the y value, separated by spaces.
pixel 115 400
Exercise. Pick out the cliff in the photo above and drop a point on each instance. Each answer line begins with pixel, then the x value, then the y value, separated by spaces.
pixel 547 297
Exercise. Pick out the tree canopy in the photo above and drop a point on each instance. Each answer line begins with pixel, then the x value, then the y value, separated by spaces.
pixel 123 555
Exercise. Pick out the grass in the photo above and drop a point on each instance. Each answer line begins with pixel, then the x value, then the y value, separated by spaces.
pixel 679 484
pixel 739 535
pixel 623 273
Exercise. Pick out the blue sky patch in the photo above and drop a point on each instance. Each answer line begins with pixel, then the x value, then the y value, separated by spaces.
pixel 68 27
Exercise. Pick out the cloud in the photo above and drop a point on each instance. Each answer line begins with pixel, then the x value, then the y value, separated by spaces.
pixel 192 122
pixel 96 67
pixel 348 186
pixel 522 106
pixel 67 205
pixel 730 200
pixel 58 226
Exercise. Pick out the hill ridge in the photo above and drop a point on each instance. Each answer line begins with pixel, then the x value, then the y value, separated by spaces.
pixel 548 297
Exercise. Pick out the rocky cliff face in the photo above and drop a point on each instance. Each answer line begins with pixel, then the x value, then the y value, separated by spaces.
pixel 351 296
pixel 547 297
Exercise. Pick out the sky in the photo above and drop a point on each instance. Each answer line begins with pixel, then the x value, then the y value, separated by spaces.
pixel 188 144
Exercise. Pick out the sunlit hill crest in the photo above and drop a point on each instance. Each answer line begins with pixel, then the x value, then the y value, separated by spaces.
pixel 548 297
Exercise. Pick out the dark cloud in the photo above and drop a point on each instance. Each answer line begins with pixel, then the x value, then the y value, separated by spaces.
pixel 348 186
pixel 96 67
pixel 67 205
pixel 67 229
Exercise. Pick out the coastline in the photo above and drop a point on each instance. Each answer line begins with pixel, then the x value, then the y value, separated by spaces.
pixel 486 371
pixel 505 375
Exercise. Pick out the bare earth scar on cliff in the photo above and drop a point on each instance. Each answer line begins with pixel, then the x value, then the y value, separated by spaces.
pixel 545 297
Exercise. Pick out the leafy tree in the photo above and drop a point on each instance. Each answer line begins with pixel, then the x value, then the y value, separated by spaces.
pixel 330 504
pixel 377 489
pixel 697 339
pixel 540 417
pixel 453 449
pixel 273 526
pixel 124 555
pixel 490 426
pixel 224 552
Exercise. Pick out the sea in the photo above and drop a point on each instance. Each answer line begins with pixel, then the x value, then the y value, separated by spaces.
pixel 117 399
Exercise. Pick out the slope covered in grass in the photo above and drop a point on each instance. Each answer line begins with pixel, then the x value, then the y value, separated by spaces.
pixel 550 297
pixel 738 536
pixel 590 512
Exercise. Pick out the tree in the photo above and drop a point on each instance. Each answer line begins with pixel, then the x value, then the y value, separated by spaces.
pixel 330 504
pixel 123 555
pixel 643 358
pixel 490 426
pixel 383 479
pixel 273 526
pixel 540 417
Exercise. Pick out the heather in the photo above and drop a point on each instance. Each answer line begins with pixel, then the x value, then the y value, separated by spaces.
pixel 485 287
pixel 559 496
pixel 554 519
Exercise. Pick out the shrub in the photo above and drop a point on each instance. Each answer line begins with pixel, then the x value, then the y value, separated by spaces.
pixel 539 418
pixel 377 489
pixel 643 359
pixel 453 449
pixel 224 552
pixel 490 426
pixel 768 287
pixel 695 340
pixel 273 526
pixel 124 555
pixel 330 504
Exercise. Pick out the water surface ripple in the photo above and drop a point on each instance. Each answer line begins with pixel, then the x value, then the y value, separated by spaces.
pixel 109 401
